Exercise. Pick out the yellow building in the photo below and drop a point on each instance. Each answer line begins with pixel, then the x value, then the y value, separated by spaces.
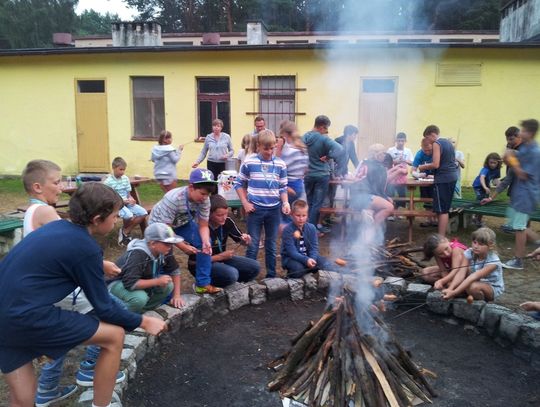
pixel 81 107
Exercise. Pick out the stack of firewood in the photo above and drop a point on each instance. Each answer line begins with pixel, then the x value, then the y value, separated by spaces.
pixel 394 259
pixel 349 358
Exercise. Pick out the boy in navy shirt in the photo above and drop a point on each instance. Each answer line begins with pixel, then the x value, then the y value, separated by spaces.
pixel 300 244
pixel 41 270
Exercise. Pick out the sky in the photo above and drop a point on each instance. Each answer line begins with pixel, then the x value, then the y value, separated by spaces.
pixel 104 6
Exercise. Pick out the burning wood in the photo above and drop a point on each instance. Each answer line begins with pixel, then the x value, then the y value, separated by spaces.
pixel 345 359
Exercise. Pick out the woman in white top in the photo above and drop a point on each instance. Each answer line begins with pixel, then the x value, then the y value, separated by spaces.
pixel 219 147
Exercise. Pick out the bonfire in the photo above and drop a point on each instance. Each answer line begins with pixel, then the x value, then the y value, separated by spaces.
pixel 349 357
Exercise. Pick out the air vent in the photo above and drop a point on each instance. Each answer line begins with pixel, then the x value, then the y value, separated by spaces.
pixel 459 75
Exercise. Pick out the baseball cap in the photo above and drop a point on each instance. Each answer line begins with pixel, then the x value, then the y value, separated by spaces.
pixel 160 232
pixel 201 176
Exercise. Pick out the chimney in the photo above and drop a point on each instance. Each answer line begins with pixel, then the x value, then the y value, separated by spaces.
pixel 62 40
pixel 211 39
pixel 136 34
pixel 256 33
pixel 520 21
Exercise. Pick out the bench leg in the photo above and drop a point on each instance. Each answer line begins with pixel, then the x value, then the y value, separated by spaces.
pixel 411 220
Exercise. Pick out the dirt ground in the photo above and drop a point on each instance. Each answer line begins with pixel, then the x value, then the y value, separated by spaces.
pixel 224 362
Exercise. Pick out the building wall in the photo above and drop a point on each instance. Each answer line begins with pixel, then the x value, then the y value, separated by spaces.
pixel 38 103
pixel 520 21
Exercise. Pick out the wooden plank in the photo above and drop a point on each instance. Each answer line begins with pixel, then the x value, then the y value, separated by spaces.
pixel 390 396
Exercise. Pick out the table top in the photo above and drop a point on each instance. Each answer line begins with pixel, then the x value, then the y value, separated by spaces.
pixel 412 182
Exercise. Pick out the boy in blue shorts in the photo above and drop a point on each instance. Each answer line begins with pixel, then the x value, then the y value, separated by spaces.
pixel 45 267
pixel 262 188
pixel 131 213
pixel 524 195
pixel 42 182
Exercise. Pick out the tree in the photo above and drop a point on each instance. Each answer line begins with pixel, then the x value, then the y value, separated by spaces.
pixel 31 23
pixel 91 22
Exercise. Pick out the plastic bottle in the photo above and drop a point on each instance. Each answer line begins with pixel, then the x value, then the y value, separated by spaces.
pixel 78 181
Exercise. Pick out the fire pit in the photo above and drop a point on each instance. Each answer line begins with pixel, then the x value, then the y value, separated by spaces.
pixel 349 358
pixel 224 363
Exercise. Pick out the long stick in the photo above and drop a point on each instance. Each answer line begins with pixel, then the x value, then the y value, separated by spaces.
pixel 392 401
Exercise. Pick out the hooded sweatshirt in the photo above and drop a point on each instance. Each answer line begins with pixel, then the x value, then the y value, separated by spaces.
pixel 318 146
pixel 165 158
pixel 138 263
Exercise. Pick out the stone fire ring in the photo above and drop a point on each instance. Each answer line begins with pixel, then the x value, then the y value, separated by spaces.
pixel 509 329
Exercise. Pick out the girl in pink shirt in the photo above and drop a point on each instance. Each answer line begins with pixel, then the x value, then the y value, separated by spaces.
pixel 449 258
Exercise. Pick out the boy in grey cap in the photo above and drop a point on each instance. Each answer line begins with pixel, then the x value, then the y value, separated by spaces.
pixel 150 272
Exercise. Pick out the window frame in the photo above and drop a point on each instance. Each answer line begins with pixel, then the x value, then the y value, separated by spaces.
pixel 152 106
pixel 214 98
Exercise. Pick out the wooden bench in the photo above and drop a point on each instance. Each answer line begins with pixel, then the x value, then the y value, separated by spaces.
pixel 497 209
pixel 409 214
pixel 10 233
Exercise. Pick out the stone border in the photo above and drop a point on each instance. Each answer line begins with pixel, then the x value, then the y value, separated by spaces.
pixel 508 328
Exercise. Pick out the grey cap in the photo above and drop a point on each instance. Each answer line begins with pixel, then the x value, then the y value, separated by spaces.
pixel 160 232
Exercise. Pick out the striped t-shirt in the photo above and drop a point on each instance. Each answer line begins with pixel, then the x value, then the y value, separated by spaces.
pixel 296 160
pixel 175 209
pixel 264 180
pixel 121 185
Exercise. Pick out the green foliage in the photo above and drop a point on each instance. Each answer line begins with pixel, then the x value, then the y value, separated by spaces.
pixel 91 22
pixel 31 23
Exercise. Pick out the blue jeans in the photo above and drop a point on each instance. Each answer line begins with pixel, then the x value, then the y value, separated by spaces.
pixel 268 218
pixel 296 269
pixel 203 266
pixel 238 268
pixel 316 191
pixel 297 185
pixel 397 189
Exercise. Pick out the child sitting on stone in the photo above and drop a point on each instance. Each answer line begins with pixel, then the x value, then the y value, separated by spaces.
pixel 483 277
pixel 300 244
pixel 150 272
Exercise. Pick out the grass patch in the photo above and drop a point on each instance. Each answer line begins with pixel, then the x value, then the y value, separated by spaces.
pixel 12 186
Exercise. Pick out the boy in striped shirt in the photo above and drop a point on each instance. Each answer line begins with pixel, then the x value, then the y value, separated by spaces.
pixel 262 187
pixel 131 213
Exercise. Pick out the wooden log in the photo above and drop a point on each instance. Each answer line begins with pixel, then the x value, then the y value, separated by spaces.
pixel 297 352
pixel 390 396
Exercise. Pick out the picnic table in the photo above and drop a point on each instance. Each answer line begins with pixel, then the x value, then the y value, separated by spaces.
pixel 410 213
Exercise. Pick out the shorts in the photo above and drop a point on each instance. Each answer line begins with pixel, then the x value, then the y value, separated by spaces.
pixel 442 196
pixel 516 220
pixel 132 210
pixel 480 194
pixel 361 201
pixel 63 332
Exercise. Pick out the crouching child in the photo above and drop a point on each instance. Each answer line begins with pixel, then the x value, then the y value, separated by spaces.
pixel 300 244
pixel 227 268
pixel 150 273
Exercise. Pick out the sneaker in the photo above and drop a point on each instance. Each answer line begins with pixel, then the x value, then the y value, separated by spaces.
pixel 87 364
pixel 391 218
pixel 47 397
pixel 207 289
pixel 85 378
pixel 514 264
pixel 507 229
pixel 126 240
pixel 323 229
